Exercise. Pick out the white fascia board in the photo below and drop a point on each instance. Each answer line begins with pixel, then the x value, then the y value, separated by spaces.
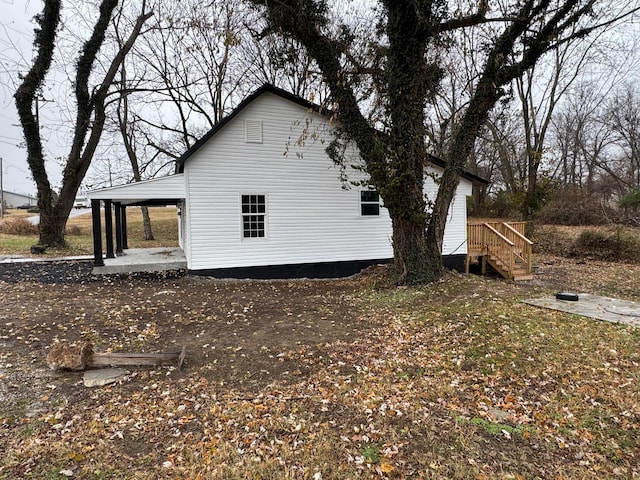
pixel 164 188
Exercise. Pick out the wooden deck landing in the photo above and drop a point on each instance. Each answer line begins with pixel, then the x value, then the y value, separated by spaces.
pixel 503 246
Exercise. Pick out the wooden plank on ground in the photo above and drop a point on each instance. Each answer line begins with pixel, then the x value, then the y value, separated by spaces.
pixel 122 358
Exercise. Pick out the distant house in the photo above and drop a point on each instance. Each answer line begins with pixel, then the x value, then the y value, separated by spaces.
pixel 258 197
pixel 17 200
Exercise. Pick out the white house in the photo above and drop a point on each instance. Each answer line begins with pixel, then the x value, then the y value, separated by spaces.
pixel 259 197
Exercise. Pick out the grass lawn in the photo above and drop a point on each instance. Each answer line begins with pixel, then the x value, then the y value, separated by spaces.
pixel 164 223
pixel 454 380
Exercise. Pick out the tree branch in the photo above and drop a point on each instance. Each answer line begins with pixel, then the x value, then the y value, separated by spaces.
pixel 303 20
pixel 25 95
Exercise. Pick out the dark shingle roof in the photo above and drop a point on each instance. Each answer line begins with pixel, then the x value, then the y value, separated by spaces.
pixel 268 88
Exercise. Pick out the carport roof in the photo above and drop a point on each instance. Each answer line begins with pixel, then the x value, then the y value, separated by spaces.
pixel 164 190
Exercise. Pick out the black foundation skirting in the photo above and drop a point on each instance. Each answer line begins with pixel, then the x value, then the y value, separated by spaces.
pixel 455 262
pixel 313 270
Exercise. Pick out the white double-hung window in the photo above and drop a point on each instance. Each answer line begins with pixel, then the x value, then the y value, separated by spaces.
pixel 254 213
pixel 369 203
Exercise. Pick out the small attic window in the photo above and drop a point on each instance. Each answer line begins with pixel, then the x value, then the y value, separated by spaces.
pixel 253 131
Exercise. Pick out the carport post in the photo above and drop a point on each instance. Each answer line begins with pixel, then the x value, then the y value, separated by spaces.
pixel 118 211
pixel 125 244
pixel 108 226
pixel 97 233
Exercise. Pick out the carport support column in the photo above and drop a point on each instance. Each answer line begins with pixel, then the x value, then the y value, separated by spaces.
pixel 118 211
pixel 125 244
pixel 97 233
pixel 108 226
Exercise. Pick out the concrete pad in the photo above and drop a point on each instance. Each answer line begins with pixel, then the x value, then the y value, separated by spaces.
pixel 592 306
pixel 22 259
pixel 98 378
pixel 144 260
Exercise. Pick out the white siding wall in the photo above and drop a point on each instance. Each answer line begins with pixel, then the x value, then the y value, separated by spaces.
pixel 310 218
pixel 455 234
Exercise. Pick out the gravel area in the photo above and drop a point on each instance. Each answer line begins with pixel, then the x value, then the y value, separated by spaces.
pixel 67 272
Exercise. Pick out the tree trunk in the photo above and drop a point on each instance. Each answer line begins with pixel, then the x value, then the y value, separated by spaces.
pixel 415 260
pixel 531 202
pixel 51 229
pixel 146 224
pixel 51 232
pixel 54 215
pixel 87 130
pixel 409 76
pixel 124 123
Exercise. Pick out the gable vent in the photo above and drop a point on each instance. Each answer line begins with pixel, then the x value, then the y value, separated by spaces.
pixel 253 131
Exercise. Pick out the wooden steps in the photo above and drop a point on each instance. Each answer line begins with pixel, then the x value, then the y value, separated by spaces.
pixel 501 246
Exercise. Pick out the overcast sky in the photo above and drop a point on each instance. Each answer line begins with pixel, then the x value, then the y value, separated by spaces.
pixel 16 37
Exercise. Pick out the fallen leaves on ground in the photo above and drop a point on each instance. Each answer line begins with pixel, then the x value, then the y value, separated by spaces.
pixel 324 380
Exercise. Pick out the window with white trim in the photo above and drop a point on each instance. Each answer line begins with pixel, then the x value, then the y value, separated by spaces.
pixel 369 203
pixel 254 212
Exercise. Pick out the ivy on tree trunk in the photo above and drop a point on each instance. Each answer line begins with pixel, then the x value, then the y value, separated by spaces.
pixel 405 74
pixel 25 97
pixel 90 115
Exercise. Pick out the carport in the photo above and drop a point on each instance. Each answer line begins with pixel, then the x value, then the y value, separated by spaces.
pixel 159 191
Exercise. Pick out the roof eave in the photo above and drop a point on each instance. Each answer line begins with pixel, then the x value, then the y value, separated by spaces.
pixel 472 177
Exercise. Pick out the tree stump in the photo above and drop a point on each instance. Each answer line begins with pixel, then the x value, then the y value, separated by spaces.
pixel 38 249
pixel 69 357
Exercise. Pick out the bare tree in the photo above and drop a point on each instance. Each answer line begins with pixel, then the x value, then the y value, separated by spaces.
pixel 583 139
pixel 90 112
pixel 624 117
pixel 407 74
pixel 540 90
pixel 192 66
pixel 284 63
pixel 125 124
pixel 193 73
pixel 128 135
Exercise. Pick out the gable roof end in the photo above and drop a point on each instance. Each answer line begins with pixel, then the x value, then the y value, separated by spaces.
pixel 266 88
pixel 269 88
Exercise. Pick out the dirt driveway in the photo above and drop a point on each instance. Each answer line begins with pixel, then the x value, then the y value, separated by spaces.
pixel 244 335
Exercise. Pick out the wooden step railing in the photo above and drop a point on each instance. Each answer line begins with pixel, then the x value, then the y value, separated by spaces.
pixel 499 251
pixel 523 246
pixel 502 245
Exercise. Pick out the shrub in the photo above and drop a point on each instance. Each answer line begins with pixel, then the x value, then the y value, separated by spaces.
pixel 619 244
pixel 553 240
pixel 630 205
pixel 631 200
pixel 574 207
pixel 18 226
pixel 602 243
pixel 504 204
pixel 73 230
